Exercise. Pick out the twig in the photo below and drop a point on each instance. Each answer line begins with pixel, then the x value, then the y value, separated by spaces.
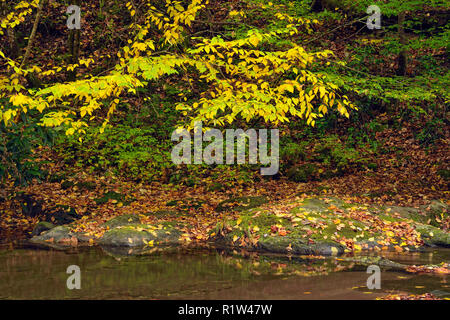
pixel 333 30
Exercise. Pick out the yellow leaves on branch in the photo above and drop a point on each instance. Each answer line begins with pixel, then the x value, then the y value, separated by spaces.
pixel 177 17
pixel 246 82
pixel 243 81
pixel 16 17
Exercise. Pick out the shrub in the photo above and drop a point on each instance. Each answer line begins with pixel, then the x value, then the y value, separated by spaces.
pixel 132 152
pixel 331 151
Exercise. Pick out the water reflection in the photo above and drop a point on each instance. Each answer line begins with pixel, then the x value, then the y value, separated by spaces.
pixel 202 274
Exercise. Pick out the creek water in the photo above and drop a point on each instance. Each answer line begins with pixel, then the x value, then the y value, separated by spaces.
pixel 38 273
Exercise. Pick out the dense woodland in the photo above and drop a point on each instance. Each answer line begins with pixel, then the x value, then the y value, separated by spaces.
pixel 87 114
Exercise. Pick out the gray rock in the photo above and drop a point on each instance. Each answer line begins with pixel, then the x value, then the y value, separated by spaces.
pixel 290 245
pixel 123 220
pixel 433 236
pixel 437 206
pixel 61 236
pixel 140 235
pixel 41 227
pixel 57 234
pixel 406 212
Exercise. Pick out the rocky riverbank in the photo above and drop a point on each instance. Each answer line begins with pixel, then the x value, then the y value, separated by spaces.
pixel 306 226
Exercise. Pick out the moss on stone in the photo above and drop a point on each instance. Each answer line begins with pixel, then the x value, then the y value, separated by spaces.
pixel 123 220
pixel 312 227
pixel 138 235
pixel 42 227
pixel 433 236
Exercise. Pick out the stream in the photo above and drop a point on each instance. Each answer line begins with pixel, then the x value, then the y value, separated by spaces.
pixel 36 273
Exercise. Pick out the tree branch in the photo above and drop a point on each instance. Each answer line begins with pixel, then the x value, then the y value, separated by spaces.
pixel 33 33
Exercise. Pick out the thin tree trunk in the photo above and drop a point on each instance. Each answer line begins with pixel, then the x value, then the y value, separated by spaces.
pixel 33 33
pixel 402 58
pixel 74 49
pixel 13 47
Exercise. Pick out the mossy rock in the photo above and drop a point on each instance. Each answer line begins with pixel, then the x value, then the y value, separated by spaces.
pixel 433 236
pixel 293 245
pixel 241 203
pixel 260 228
pixel 123 220
pixel 407 212
pixel 41 227
pixel 313 205
pixel 436 207
pixel 138 235
pixel 435 211
pixel 57 234
pixel 426 214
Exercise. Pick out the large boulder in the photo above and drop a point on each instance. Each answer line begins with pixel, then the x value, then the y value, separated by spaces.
pixel 122 220
pixel 292 245
pixel 54 235
pixel 427 214
pixel 60 237
pixel 41 227
pixel 433 236
pixel 139 235
pixel 329 226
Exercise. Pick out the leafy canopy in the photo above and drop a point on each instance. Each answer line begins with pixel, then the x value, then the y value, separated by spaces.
pixel 240 78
